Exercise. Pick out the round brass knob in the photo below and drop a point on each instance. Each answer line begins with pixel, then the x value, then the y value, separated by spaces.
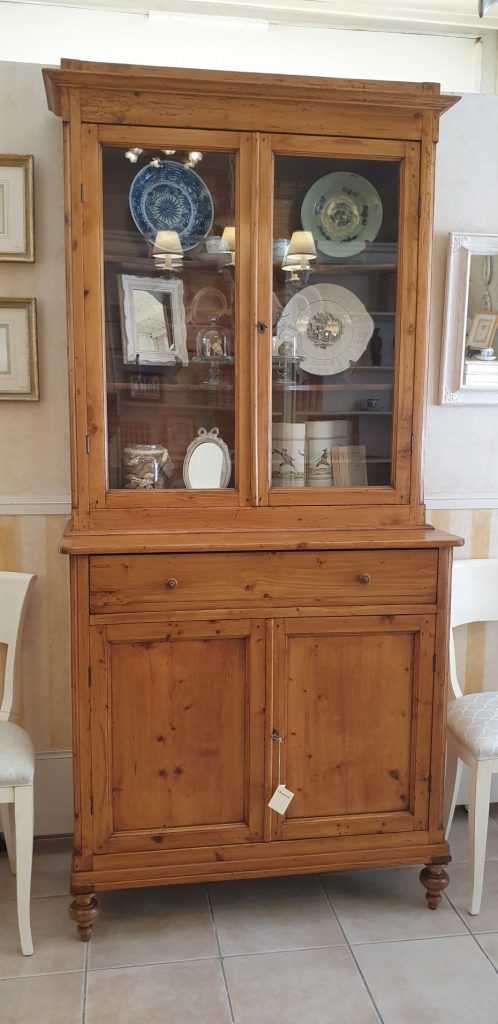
pixel 172 584
pixel 364 579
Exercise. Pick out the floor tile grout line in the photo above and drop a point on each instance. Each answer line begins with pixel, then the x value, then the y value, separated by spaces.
pixel 86 955
pixel 283 949
pixel 360 972
pixel 152 963
pixel 495 968
pixel 40 974
pixel 227 991
pixel 471 933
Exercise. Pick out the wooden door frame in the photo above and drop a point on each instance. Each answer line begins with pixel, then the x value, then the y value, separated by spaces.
pixel 407 154
pixel 120 503
pixel 105 840
pixel 416 818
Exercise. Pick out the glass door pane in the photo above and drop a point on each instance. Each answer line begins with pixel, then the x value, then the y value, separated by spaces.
pixel 335 255
pixel 169 265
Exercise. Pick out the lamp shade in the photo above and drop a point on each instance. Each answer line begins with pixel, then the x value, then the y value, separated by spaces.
pixel 227 243
pixel 168 241
pixel 301 244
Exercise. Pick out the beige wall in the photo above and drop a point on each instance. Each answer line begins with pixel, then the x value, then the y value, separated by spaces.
pixel 461 444
pixel 34 453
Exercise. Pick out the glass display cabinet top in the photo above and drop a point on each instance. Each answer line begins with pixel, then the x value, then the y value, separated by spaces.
pixel 335 245
pixel 169 273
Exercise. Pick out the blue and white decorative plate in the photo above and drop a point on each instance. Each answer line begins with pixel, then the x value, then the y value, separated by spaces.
pixel 171 197
pixel 343 211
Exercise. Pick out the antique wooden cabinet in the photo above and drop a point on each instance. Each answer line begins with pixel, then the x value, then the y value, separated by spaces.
pixel 248 268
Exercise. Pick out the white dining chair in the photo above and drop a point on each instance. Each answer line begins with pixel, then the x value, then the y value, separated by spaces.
pixel 17 758
pixel 472 733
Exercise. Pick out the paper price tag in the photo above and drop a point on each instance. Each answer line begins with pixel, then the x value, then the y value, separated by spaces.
pixel 280 799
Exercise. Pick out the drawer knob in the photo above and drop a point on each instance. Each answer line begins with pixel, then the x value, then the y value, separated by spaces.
pixel 172 584
pixel 364 578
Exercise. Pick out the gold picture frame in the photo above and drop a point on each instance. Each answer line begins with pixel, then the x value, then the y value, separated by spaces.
pixel 18 351
pixel 17 235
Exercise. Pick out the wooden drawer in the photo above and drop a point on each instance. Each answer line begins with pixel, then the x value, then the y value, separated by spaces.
pixel 245 579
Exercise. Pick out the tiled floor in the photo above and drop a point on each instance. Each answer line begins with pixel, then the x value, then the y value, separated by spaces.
pixel 351 948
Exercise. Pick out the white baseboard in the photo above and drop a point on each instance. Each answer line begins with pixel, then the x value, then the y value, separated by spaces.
pixel 53 793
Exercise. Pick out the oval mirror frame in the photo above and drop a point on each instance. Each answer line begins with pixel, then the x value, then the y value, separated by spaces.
pixel 222 466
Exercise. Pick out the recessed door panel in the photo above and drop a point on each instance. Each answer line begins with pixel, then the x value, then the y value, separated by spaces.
pixel 180 732
pixel 354 719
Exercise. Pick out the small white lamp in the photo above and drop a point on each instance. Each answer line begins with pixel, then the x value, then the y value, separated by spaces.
pixel 300 251
pixel 227 244
pixel 168 251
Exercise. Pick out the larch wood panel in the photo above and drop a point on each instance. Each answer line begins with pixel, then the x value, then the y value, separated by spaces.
pixel 73 225
pixel 349 724
pixel 178 718
pixel 406 324
pixel 243 113
pixel 156 582
pixel 353 703
pixel 181 761
pixel 264 341
pixel 245 312
pixel 421 361
pixel 238 539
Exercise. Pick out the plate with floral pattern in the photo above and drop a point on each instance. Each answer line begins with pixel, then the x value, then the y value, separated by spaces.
pixel 171 197
pixel 331 325
pixel 343 211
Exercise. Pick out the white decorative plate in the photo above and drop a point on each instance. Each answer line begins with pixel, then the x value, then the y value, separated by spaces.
pixel 343 211
pixel 332 326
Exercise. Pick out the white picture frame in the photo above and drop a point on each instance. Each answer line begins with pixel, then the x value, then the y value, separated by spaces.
pixel 463 318
pixel 18 350
pixel 16 208
pixel 153 327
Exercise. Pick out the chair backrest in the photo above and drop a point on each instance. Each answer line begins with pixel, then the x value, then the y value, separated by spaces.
pixel 14 588
pixel 474 598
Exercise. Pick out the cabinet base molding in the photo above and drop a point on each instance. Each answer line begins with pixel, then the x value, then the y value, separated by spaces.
pixel 435 879
pixel 84 909
pixel 118 871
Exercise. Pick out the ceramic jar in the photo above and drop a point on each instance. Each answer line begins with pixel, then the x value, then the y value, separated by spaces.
pixel 287 459
pixel 321 437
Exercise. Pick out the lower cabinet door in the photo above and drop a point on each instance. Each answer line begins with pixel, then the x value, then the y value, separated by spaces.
pixel 353 705
pixel 177 723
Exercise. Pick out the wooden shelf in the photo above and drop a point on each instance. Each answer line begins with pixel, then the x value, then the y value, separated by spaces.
pixel 307 388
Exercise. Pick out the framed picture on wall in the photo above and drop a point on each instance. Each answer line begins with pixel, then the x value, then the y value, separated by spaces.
pixel 18 350
pixel 17 241
pixel 482 330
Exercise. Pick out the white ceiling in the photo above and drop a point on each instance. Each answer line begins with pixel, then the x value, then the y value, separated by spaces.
pixel 456 16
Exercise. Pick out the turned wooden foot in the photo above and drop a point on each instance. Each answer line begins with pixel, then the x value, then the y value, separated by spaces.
pixel 84 909
pixel 435 879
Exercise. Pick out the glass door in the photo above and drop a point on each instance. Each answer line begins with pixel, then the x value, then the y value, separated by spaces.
pixel 342 316
pixel 173 258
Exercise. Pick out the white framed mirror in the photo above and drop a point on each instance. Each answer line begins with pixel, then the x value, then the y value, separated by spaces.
pixel 469 364
pixel 207 464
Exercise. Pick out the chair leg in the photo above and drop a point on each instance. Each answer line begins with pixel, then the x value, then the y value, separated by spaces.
pixel 451 785
pixel 7 823
pixel 24 857
pixel 480 774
